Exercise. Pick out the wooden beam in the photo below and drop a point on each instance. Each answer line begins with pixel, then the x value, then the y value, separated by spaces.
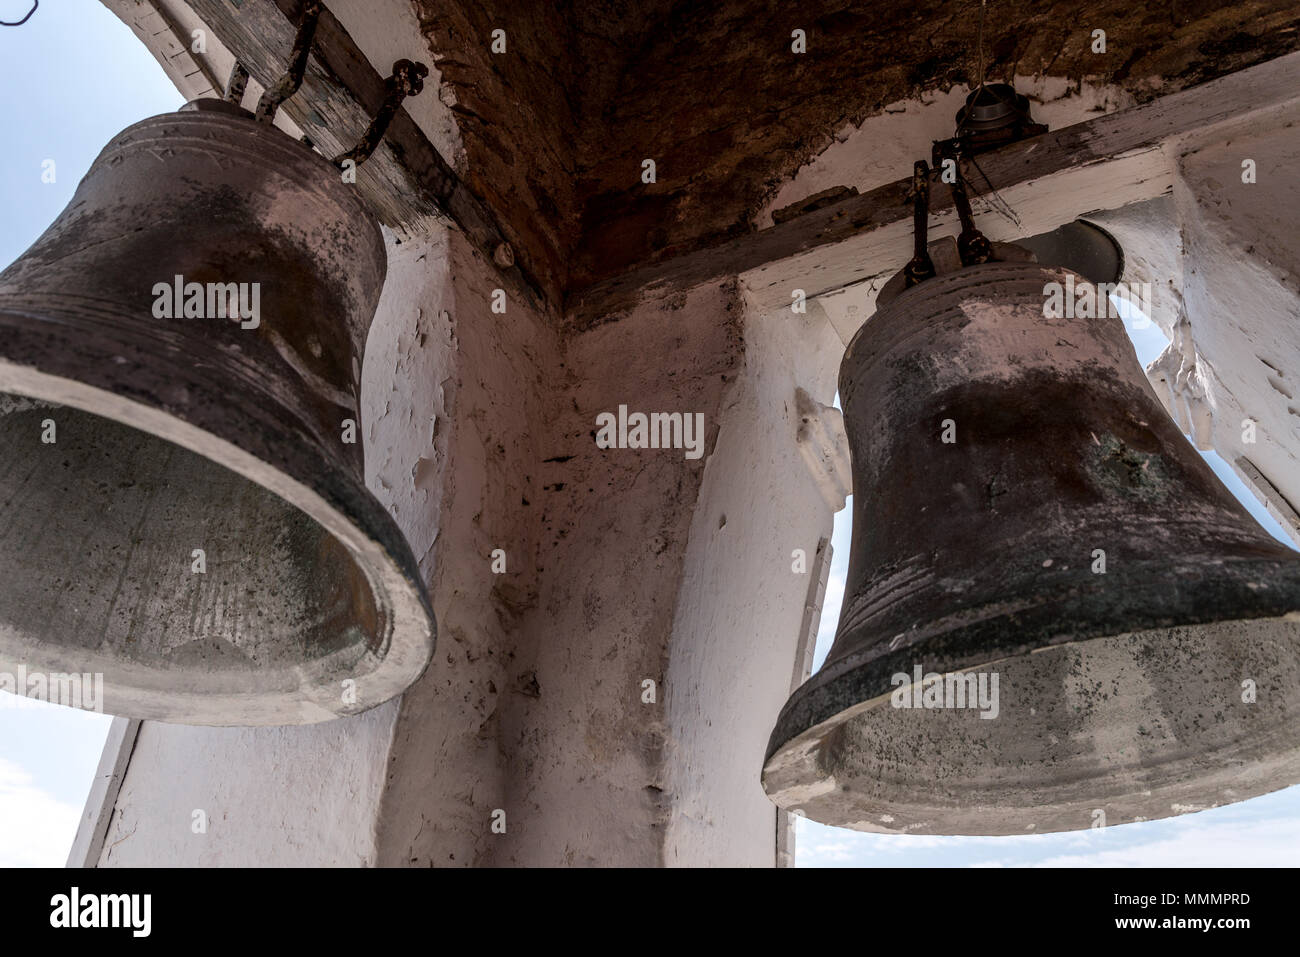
pixel 1111 161
pixel 406 180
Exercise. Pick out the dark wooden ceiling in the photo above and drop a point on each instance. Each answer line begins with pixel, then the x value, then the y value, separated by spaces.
pixel 556 128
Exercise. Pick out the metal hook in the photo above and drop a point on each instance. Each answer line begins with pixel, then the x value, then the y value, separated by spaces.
pixel 19 23
pixel 237 83
pixel 921 266
pixel 972 245
pixel 407 80
pixel 288 84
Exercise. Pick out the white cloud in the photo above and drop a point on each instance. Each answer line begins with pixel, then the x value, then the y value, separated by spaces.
pixel 34 826
pixel 1271 842
pixel 820 855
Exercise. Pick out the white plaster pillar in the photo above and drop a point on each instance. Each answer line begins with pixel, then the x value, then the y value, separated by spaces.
pixel 1242 294
pixel 741 610
pixel 647 656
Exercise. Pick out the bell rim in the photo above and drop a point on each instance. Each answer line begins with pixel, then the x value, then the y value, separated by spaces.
pixel 863 667
pixel 1226 775
pixel 845 683
pixel 383 556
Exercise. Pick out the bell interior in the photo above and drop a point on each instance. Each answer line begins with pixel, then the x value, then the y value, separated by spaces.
pixel 99 529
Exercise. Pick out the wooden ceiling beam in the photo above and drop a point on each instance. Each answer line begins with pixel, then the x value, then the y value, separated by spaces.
pixel 1116 159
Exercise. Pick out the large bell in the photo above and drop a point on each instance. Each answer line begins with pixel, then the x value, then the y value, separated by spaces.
pixel 1115 638
pixel 183 506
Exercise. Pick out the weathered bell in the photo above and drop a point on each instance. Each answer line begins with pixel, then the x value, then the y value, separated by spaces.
pixel 183 506
pixel 1055 616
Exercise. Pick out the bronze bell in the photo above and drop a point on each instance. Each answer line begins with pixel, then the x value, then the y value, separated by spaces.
pixel 1055 616
pixel 183 505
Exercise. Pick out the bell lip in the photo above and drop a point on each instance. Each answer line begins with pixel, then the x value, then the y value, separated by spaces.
pixel 840 683
pixel 386 560
pixel 870 668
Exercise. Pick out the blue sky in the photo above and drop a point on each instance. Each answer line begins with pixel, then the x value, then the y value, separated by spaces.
pixel 73 76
